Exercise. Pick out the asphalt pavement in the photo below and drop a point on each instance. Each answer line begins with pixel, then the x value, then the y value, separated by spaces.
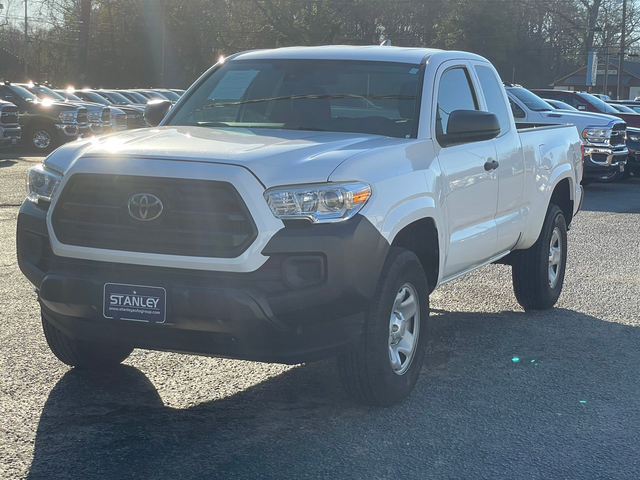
pixel 503 394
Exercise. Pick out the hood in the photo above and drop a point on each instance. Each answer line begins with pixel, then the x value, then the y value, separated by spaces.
pixel 47 105
pixel 276 157
pixel 596 118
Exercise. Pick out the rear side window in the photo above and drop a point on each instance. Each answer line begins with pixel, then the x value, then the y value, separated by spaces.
pixel 455 93
pixel 493 95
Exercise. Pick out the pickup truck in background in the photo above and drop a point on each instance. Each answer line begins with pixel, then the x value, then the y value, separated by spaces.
pixel 9 124
pixel 45 124
pixel 297 204
pixel 603 136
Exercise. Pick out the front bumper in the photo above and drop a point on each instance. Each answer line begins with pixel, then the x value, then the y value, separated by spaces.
pixel 601 161
pixel 9 136
pixel 633 162
pixel 71 131
pixel 307 302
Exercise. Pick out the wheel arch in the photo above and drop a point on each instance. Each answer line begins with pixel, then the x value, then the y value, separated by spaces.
pixel 421 237
pixel 561 197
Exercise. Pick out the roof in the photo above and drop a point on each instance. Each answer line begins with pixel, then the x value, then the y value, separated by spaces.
pixel 347 52
pixel 581 80
pixel 574 78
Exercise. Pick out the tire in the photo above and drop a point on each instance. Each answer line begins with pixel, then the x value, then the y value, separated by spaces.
pixel 82 354
pixel 368 373
pixel 538 272
pixel 611 177
pixel 42 138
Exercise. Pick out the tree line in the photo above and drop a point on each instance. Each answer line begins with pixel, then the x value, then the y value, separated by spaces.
pixel 129 43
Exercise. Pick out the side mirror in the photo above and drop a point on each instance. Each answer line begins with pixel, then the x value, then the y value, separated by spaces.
pixel 155 111
pixel 465 126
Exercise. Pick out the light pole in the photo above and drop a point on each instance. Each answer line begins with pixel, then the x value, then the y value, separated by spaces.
pixel 622 40
pixel 26 44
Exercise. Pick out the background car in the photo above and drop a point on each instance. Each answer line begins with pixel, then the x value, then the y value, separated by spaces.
pixel 558 105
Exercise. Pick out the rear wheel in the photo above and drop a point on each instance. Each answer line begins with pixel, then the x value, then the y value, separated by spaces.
pixel 82 354
pixel 538 272
pixel 386 364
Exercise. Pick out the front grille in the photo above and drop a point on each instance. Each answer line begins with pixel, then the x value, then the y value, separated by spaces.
pixel 82 116
pixel 199 217
pixel 618 136
pixel 121 120
pixel 9 116
pixel 106 116
pixel 136 121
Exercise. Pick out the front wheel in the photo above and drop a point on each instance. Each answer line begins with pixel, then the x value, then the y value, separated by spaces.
pixel 611 177
pixel 385 366
pixel 538 272
pixel 82 354
pixel 42 138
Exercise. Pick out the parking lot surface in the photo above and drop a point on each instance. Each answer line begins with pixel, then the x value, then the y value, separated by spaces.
pixel 503 393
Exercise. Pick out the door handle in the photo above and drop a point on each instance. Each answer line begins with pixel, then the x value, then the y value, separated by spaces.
pixel 491 165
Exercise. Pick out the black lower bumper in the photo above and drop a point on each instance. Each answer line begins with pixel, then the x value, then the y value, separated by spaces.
pixel 595 165
pixel 633 162
pixel 307 302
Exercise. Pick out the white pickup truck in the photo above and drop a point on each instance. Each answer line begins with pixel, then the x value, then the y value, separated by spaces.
pixel 603 136
pixel 296 204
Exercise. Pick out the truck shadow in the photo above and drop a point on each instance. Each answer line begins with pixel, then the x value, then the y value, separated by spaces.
pixel 617 197
pixel 506 395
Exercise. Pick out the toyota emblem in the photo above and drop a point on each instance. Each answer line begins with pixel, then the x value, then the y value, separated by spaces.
pixel 144 207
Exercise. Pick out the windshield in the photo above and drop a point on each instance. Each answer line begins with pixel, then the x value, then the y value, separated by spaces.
pixel 44 92
pixel 119 98
pixel 338 96
pixel 70 96
pixel 601 105
pixel 169 94
pixel 136 97
pixel 94 97
pixel 531 100
pixel 557 104
pixel 152 95
pixel 23 93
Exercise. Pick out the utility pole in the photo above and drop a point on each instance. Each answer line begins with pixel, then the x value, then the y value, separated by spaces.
pixel 26 44
pixel 622 42
pixel 164 23
pixel 606 59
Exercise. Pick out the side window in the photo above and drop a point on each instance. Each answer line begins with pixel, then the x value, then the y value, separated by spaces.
pixel 516 110
pixel 454 93
pixel 493 95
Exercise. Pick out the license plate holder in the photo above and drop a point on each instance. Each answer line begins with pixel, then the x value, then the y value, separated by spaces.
pixel 136 303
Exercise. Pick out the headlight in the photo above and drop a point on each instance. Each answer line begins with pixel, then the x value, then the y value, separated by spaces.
pixel 67 117
pixel 596 134
pixel 634 137
pixel 321 203
pixel 41 183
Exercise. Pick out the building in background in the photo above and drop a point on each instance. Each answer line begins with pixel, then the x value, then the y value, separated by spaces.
pixel 630 80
